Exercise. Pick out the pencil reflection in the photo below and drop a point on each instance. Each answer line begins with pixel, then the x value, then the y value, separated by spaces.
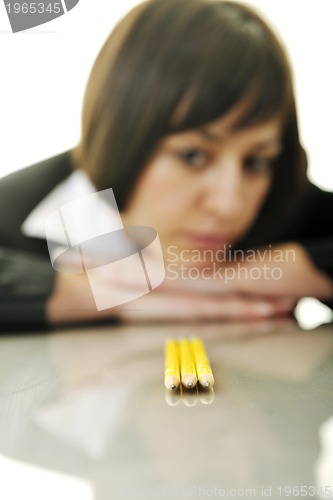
pixel 172 397
pixel 206 395
pixel 190 397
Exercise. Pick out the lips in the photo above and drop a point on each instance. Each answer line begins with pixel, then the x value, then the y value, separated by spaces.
pixel 208 240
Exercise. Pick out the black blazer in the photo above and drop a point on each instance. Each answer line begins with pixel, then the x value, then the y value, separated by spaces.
pixel 26 274
pixel 20 192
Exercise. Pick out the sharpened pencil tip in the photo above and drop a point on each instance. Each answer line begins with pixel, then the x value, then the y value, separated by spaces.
pixel 207 384
pixel 173 386
pixel 189 385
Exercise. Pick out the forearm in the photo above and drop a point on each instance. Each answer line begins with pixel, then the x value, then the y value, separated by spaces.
pixel 72 302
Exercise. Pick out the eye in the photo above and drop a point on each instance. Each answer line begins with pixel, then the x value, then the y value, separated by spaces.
pixel 259 164
pixel 194 157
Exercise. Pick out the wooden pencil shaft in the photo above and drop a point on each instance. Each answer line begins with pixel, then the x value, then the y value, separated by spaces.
pixel 202 364
pixel 187 365
pixel 172 368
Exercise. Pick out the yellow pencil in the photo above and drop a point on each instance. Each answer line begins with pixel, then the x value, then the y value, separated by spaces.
pixel 171 374
pixel 187 367
pixel 204 370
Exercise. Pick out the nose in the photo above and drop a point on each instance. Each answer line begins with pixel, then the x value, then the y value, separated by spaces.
pixel 224 195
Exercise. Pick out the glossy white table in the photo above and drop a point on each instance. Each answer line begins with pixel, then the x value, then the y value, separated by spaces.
pixel 91 404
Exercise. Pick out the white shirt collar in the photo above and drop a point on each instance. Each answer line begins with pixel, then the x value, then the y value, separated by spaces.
pixel 75 186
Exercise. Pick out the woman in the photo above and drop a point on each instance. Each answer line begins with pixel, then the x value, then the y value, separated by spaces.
pixel 189 116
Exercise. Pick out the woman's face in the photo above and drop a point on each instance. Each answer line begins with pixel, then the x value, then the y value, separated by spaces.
pixel 203 188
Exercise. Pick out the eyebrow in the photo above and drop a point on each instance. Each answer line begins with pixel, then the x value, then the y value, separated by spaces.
pixel 268 143
pixel 208 135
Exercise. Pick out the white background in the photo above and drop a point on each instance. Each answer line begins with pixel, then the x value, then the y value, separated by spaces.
pixel 44 71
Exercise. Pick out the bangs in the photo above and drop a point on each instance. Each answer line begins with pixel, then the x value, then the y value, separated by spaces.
pixel 242 63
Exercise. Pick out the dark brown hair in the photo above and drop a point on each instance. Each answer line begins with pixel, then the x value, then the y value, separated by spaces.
pixel 211 54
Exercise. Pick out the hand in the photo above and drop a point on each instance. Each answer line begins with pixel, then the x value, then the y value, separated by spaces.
pixel 165 304
pixel 72 301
